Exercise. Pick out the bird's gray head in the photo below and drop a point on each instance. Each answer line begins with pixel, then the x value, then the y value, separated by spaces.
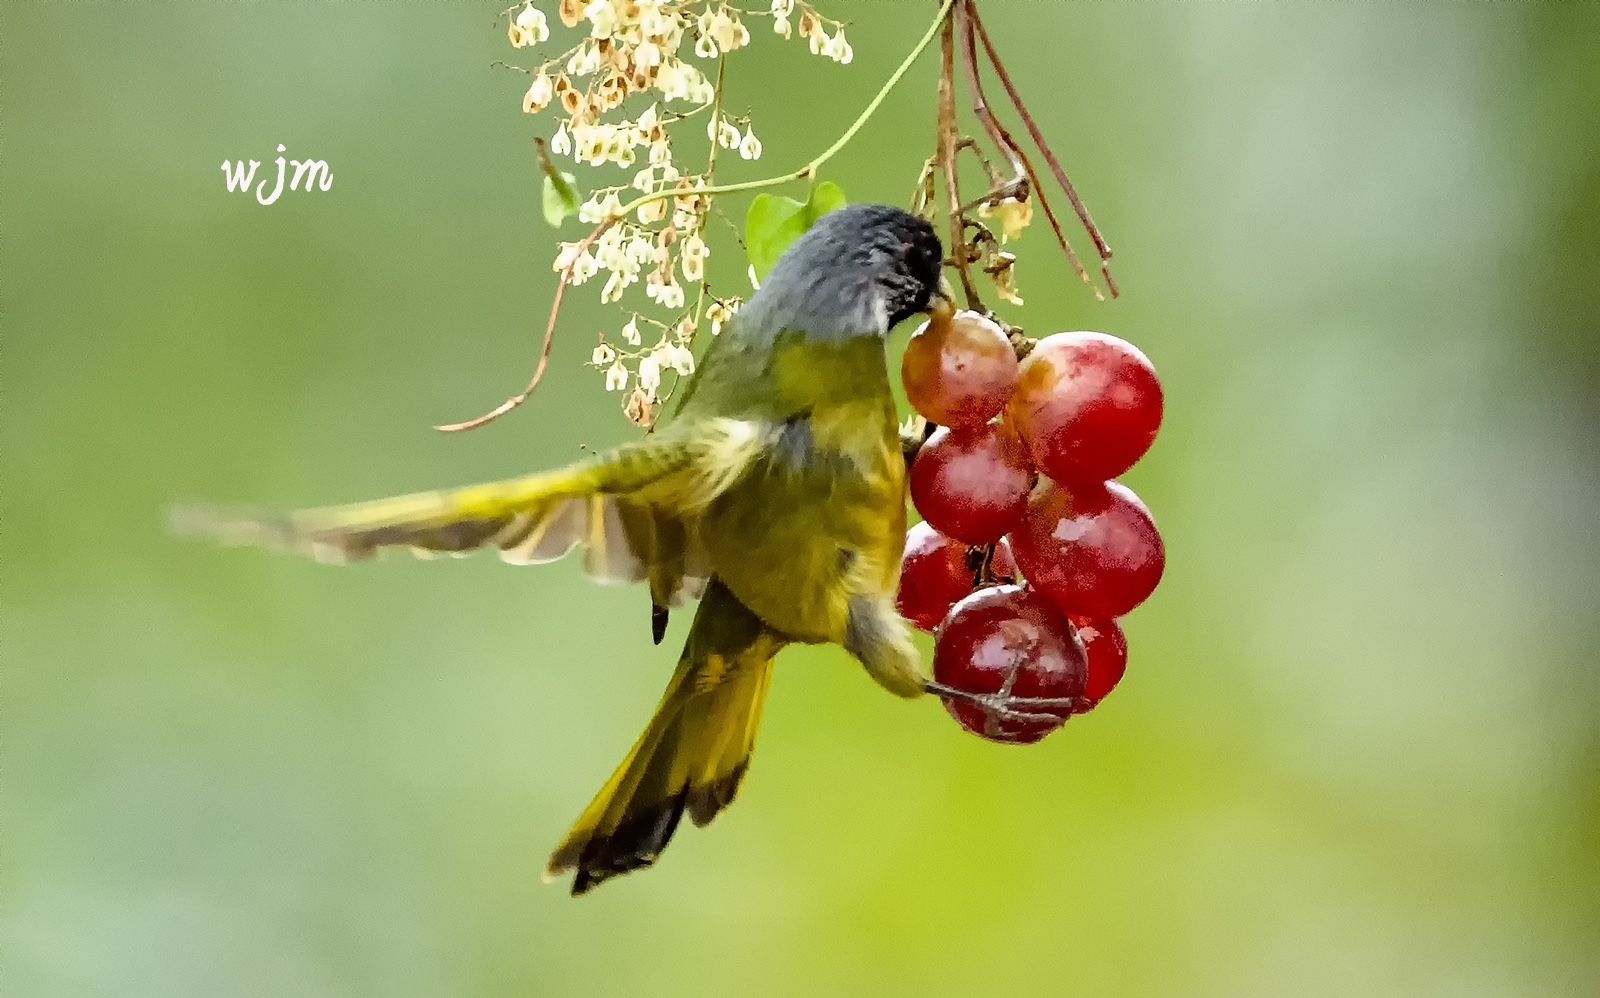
pixel 857 272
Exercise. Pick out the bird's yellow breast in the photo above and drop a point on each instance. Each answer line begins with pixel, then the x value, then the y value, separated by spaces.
pixel 821 516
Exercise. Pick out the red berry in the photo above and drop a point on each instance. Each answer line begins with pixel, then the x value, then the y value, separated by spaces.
pixel 1013 648
pixel 1092 548
pixel 1107 650
pixel 972 484
pixel 960 371
pixel 1088 406
pixel 936 572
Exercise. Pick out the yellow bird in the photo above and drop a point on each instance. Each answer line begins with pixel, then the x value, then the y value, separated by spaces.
pixel 776 495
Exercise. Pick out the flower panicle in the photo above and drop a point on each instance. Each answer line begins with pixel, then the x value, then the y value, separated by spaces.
pixel 631 71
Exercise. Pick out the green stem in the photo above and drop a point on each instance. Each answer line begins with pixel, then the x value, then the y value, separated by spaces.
pixel 810 169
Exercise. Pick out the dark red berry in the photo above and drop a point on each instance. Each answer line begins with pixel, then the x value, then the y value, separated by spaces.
pixel 1092 548
pixel 936 572
pixel 1107 651
pixel 1019 655
pixel 1087 404
pixel 972 484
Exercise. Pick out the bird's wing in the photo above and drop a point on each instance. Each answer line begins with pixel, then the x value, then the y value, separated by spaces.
pixel 631 509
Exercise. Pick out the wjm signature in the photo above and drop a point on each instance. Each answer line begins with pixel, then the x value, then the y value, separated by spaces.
pixel 313 170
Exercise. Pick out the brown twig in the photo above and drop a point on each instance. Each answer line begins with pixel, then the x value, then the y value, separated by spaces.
pixel 1013 149
pixel 995 179
pixel 549 339
pixel 949 137
pixel 980 106
pixel 1100 244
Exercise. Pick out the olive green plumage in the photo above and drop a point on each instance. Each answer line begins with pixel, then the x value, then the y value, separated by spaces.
pixel 776 494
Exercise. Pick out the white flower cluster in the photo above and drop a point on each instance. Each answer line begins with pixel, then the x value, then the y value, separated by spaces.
pixel 637 47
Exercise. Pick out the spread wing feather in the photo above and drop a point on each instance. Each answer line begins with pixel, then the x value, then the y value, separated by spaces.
pixel 633 511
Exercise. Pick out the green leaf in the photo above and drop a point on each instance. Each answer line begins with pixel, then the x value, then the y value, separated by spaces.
pixel 774 222
pixel 560 197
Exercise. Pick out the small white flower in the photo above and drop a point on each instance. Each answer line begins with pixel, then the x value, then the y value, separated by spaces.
pixel 670 81
pixel 651 22
pixel 704 47
pixel 652 212
pixel 612 205
pixel 539 93
pixel 649 373
pixel 609 250
pixel 749 146
pixel 640 250
pixel 840 50
pixel 561 142
pixel 603 355
pixel 535 28
pixel 678 357
pixel 728 32
pixel 585 60
pixel 603 18
pixel 613 289
pixel 668 294
pixel 720 313
pixel 694 255
pixel 811 30
pixel 584 265
pixel 630 332
pixel 616 377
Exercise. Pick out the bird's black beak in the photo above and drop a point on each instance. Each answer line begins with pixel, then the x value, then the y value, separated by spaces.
pixel 942 303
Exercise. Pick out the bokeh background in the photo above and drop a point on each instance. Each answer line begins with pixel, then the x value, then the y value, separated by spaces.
pixel 1356 751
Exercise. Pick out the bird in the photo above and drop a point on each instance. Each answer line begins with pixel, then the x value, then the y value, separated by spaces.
pixel 775 494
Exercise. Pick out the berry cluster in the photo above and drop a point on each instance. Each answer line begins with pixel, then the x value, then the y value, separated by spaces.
pixel 1028 551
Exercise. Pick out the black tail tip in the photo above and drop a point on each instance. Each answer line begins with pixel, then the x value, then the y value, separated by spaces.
pixel 635 844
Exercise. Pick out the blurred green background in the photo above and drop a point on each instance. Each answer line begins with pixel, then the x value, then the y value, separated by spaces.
pixel 1358 748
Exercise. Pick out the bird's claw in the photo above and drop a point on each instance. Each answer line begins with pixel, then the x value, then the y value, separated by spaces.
pixel 1004 705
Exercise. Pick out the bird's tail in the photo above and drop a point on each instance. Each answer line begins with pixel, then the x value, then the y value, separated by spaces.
pixel 693 755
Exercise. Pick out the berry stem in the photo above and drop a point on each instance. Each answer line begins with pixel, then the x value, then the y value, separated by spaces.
pixel 1100 244
pixel 949 137
pixel 1013 150
pixel 980 108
